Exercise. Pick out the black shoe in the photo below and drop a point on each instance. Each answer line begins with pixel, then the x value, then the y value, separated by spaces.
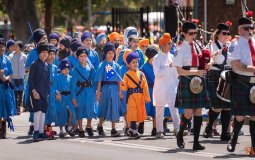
pixel 225 137
pixel 135 135
pixel 55 133
pixel 141 128
pixel 90 132
pixel 208 132
pixel 115 133
pixel 81 133
pixel 3 131
pixel 76 131
pixel 100 130
pixel 153 132
pixel 66 128
pixel 71 133
pixel 232 145
pixel 126 133
pixel 198 146
pixel 180 141
pixel 31 130
pixel 62 135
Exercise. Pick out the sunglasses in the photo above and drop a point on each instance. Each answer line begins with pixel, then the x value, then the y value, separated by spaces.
pixel 247 28
pixel 225 33
pixel 192 33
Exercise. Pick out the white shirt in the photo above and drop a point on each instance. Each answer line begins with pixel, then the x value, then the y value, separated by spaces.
pixel 219 59
pixel 240 50
pixel 18 65
pixel 166 80
pixel 183 55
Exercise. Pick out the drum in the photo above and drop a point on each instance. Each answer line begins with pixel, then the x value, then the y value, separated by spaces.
pixel 223 88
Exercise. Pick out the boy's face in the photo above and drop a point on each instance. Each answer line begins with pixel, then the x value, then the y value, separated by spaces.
pixel 43 55
pixel 16 48
pixel 53 42
pixel 65 71
pixel 51 57
pixel 12 48
pixel 87 43
pixel 82 58
pixel 110 55
pixel 44 39
pixel 133 65
pixel 133 43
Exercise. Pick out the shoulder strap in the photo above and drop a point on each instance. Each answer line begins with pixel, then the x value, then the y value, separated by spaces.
pixel 137 84
pixel 217 44
pixel 141 76
pixel 82 75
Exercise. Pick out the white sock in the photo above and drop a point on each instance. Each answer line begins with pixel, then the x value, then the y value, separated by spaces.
pixel 37 116
pixel 41 124
pixel 69 128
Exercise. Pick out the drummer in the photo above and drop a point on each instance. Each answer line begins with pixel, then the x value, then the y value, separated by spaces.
pixel 186 61
pixel 219 51
pixel 242 60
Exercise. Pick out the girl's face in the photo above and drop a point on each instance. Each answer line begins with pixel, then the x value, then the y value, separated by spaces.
pixel 51 57
pixel 110 56
pixel 43 55
pixel 65 71
pixel 223 36
pixel 53 42
pixel 82 58
pixel 133 43
pixel 133 65
pixel 190 35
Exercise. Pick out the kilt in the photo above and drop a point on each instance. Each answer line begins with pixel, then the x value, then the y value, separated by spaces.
pixel 186 99
pixel 240 103
pixel 212 84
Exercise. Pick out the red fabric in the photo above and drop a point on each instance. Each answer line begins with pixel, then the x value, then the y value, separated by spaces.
pixel 252 51
pixel 194 55
pixel 225 49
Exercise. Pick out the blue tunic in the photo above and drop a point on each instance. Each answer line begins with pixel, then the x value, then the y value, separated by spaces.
pixel 123 103
pixel 147 69
pixel 86 97
pixel 109 104
pixel 73 60
pixel 93 58
pixel 63 83
pixel 7 97
pixel 140 59
pixel 51 115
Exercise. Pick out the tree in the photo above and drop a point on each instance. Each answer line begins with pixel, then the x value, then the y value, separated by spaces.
pixel 20 13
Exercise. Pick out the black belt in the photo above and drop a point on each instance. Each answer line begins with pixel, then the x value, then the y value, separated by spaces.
pixel 150 85
pixel 217 66
pixel 245 79
pixel 190 68
pixel 109 83
pixel 65 93
pixel 130 91
pixel 83 84
pixel 1 81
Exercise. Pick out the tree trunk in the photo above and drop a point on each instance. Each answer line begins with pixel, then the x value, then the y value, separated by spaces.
pixel 20 13
pixel 48 16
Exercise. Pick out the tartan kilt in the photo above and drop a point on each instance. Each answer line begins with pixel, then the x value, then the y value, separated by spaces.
pixel 185 99
pixel 212 84
pixel 240 103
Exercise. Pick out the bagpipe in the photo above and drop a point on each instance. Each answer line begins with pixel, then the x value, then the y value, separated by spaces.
pixel 246 12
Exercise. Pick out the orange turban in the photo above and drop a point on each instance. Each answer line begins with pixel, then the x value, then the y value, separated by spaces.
pixel 143 42
pixel 113 35
pixel 166 38
pixel 122 39
pixel 126 53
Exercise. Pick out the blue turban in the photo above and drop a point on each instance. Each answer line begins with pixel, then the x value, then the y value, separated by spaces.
pixel 2 41
pixel 38 34
pixel 42 47
pixel 10 43
pixel 65 42
pixel 81 50
pixel 86 35
pixel 108 47
pixel 100 37
pixel 131 56
pixel 53 48
pixel 54 35
pixel 75 44
pixel 65 63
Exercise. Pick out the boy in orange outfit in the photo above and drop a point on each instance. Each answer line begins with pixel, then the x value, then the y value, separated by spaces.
pixel 137 94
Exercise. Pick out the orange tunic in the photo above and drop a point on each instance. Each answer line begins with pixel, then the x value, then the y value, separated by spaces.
pixel 136 110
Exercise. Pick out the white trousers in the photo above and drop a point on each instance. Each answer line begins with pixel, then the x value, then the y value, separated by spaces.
pixel 39 120
pixel 160 117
